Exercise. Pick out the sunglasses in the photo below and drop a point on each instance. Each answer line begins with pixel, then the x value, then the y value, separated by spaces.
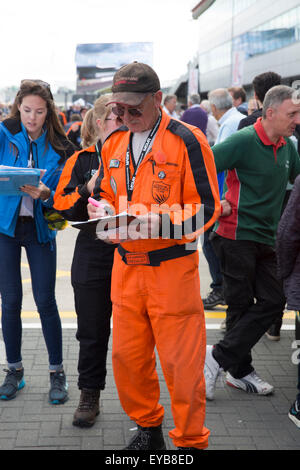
pixel 135 112
pixel 120 111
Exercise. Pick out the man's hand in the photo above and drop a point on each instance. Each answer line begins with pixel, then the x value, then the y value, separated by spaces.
pixel 226 208
pixel 114 235
pixel 142 228
pixel 149 225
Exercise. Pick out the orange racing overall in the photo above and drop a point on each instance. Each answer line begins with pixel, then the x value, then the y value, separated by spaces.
pixel 155 282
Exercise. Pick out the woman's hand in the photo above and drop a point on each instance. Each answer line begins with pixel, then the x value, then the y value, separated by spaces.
pixel 37 192
pixel 102 209
pixel 91 184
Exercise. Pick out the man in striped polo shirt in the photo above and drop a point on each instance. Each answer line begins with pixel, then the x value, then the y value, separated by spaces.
pixel 259 160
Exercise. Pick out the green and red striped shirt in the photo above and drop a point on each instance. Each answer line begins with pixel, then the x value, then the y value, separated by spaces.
pixel 257 175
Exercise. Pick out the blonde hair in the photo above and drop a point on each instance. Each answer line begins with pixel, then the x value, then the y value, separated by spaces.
pixel 89 128
pixel 88 131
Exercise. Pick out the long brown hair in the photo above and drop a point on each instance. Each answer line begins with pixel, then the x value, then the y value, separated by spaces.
pixel 55 130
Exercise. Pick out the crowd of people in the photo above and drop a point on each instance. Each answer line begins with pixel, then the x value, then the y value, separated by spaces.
pixel 223 169
pixel 4 110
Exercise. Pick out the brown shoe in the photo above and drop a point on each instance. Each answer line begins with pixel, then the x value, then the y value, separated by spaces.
pixel 88 408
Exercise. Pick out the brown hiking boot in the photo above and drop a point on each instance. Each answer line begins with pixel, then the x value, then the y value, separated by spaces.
pixel 88 408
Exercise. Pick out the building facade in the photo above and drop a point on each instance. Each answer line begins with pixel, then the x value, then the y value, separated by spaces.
pixel 239 39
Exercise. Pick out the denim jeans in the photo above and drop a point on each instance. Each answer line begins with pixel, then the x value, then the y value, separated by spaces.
pixel 42 263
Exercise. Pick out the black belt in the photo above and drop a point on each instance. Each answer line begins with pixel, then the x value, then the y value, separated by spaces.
pixel 25 218
pixel 154 258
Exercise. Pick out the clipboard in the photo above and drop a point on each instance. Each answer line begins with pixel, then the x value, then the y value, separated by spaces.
pixel 109 222
pixel 12 178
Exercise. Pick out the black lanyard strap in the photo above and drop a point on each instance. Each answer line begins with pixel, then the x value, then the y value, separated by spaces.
pixel 31 161
pixel 130 181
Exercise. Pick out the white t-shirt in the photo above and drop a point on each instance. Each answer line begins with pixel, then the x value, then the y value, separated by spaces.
pixel 138 141
pixel 26 208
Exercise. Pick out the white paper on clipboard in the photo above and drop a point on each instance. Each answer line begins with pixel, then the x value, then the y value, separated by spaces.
pixel 108 222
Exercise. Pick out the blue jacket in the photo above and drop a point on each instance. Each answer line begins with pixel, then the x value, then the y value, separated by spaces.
pixel 14 151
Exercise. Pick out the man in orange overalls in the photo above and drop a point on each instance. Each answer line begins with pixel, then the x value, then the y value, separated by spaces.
pixel 162 171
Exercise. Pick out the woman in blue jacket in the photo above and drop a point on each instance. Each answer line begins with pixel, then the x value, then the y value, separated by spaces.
pixel 32 136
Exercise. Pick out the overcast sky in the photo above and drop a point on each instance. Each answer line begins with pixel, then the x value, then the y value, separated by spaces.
pixel 39 37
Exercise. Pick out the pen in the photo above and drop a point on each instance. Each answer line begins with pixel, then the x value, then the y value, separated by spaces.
pixel 99 204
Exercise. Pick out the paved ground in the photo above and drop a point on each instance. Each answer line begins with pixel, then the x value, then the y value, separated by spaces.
pixel 237 421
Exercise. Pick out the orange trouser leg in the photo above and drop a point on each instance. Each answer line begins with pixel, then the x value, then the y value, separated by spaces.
pixel 134 367
pixel 178 323
pixel 161 306
pixel 182 361
pixel 133 349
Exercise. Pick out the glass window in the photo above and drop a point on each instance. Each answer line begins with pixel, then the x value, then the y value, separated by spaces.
pixel 276 33
pixel 216 58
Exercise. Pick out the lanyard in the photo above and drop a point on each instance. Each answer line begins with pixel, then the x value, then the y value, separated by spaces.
pixel 31 162
pixel 90 173
pixel 130 181
pixel 98 152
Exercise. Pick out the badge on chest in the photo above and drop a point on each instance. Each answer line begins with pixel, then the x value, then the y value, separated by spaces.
pixel 160 191
pixel 114 163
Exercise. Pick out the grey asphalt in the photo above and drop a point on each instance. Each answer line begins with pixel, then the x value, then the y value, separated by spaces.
pixel 236 420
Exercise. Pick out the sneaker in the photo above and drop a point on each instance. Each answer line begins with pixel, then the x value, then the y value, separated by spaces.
pixel 251 383
pixel 294 413
pixel 215 297
pixel 147 439
pixel 13 382
pixel 58 393
pixel 88 408
pixel 273 333
pixel 211 372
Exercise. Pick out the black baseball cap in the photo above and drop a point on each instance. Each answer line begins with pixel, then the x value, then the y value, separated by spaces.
pixel 132 82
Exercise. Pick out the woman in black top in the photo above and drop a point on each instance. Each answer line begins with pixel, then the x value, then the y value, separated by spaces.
pixel 92 261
